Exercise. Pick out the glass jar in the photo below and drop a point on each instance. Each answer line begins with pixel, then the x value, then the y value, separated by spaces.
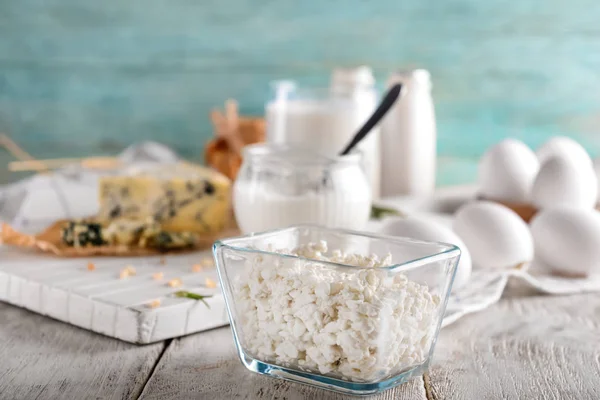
pixel 279 185
pixel 325 119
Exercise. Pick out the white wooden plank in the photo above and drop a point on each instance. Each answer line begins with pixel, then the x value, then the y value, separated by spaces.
pixel 537 347
pixel 55 303
pixel 46 359
pixel 206 366
pixel 128 326
pixel 4 282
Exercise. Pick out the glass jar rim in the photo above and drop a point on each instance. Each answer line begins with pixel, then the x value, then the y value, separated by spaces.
pixel 291 90
pixel 297 156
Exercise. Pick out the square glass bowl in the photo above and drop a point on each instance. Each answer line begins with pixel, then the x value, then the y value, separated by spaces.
pixel 352 329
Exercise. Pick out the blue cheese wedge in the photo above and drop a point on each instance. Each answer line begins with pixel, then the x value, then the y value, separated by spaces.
pixel 123 232
pixel 129 232
pixel 83 233
pixel 180 197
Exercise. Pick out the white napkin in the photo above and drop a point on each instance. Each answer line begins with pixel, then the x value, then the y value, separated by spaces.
pixel 538 277
pixel 70 192
pixel 483 289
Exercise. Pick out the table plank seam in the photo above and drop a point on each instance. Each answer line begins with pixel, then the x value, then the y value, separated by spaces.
pixel 427 385
pixel 166 345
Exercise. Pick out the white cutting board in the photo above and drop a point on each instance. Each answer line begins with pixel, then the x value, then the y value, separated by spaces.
pixel 100 301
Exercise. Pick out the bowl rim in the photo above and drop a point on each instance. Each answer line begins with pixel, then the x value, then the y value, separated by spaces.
pixel 451 251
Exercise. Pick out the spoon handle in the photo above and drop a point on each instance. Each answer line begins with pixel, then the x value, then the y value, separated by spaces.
pixel 388 101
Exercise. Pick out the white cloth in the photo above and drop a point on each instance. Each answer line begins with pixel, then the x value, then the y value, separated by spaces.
pixel 70 192
pixel 484 289
pixel 539 278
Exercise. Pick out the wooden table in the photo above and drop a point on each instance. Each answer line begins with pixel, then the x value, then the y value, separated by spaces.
pixel 526 347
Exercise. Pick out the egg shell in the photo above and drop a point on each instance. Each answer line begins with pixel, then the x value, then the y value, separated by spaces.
pixel 567 240
pixel 564 147
pixel 506 171
pixel 562 182
pixel 429 230
pixel 495 235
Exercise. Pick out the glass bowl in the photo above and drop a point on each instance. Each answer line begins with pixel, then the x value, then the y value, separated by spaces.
pixel 328 313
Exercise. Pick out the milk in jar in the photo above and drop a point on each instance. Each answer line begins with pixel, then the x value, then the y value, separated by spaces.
pixel 326 119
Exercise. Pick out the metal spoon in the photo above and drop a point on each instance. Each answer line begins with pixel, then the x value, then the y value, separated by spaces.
pixel 388 101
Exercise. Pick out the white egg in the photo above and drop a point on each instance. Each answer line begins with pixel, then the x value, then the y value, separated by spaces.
pixel 426 229
pixel 507 170
pixel 564 147
pixel 495 235
pixel 562 182
pixel 568 240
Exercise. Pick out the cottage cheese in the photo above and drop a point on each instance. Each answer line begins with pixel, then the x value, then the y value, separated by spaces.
pixel 356 324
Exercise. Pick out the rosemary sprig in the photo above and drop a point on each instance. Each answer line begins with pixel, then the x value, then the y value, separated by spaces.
pixel 193 296
pixel 378 212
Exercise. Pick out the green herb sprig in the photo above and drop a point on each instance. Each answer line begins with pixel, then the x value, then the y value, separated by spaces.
pixel 193 296
pixel 378 212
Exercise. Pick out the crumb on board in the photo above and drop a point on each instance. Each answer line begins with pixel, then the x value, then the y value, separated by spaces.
pixel 520 265
pixel 175 282
pixel 91 266
pixel 208 262
pixel 154 303
pixel 127 272
pixel 163 260
pixel 196 268
pixel 210 283
pixel 157 276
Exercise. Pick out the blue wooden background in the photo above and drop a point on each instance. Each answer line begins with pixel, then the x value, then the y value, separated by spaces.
pixel 89 77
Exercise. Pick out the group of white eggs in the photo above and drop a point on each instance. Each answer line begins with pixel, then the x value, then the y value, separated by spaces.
pixel 564 235
pixel 560 173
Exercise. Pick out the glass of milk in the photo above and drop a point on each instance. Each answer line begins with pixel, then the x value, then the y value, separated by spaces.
pixel 326 119
pixel 281 185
